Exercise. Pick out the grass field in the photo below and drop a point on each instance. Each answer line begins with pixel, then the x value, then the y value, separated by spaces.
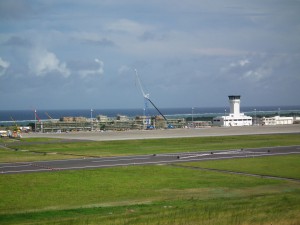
pixel 282 208
pixel 159 194
pixel 149 195
pixel 47 149
pixel 281 166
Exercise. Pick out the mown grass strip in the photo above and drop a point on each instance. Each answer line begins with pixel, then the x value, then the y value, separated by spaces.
pixel 281 208
pixel 125 185
pixel 281 166
pixel 139 147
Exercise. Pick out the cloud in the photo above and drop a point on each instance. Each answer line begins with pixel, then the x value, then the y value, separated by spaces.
pixel 14 9
pixel 93 38
pixel 43 62
pixel 93 72
pixel 266 67
pixel 240 63
pixel 17 41
pixel 236 67
pixel 217 51
pixel 3 66
pixel 124 69
pixel 259 68
pixel 100 42
pixel 128 26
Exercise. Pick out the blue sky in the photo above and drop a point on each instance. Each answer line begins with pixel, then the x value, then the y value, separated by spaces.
pixel 71 54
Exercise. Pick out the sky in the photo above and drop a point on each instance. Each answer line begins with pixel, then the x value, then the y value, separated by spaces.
pixel 73 54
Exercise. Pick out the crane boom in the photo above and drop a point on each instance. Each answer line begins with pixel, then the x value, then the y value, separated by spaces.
pixel 47 114
pixel 147 96
pixel 140 85
pixel 157 109
pixel 14 121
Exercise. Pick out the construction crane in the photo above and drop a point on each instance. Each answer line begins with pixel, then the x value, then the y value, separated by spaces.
pixel 16 132
pixel 16 125
pixel 36 117
pixel 47 114
pixel 147 98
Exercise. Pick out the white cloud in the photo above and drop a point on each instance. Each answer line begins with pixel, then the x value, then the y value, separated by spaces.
pixel 217 51
pixel 99 71
pixel 255 75
pixel 240 63
pixel 124 69
pixel 266 68
pixel 43 62
pixel 244 62
pixel 3 66
pixel 128 26
pixel 260 68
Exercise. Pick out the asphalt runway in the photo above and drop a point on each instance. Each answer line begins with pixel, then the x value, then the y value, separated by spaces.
pixel 93 163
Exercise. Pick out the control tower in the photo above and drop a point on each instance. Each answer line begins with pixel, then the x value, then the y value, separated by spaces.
pixel 235 117
pixel 234 101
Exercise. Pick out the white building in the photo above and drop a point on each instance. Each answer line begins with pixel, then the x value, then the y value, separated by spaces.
pixel 276 120
pixel 235 117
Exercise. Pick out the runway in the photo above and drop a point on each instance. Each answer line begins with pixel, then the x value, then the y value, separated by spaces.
pixel 105 162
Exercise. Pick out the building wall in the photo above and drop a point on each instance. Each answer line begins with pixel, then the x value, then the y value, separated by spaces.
pixel 233 120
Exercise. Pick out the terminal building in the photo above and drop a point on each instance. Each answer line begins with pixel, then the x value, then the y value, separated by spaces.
pixel 235 117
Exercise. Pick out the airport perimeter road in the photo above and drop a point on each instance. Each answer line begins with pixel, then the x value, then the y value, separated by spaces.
pixel 170 133
pixel 93 163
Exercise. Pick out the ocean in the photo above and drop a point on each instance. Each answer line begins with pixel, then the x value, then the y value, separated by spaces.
pixel 23 117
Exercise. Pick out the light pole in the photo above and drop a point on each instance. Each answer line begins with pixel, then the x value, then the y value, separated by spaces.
pixel 91 119
pixel 192 116
pixel 255 117
pixel 35 120
pixel 225 118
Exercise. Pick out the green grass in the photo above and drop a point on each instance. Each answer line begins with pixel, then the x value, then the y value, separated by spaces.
pixel 150 195
pixel 282 209
pixel 160 194
pixel 125 185
pixel 283 166
pixel 137 147
pixel 146 195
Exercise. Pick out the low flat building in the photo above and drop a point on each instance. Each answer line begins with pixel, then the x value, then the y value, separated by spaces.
pixel 276 120
pixel 102 118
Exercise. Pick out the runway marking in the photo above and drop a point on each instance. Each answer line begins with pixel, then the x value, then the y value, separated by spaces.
pixel 14 166
pixel 217 153
pixel 112 160
pixel 22 171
